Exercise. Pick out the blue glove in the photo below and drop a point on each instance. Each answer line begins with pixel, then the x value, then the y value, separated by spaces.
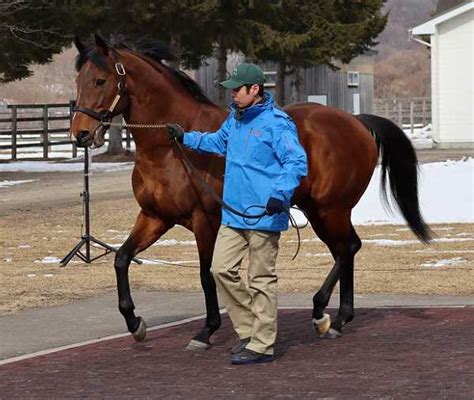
pixel 274 206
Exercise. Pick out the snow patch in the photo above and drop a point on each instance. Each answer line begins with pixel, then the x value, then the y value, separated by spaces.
pixel 383 234
pixel 47 166
pixel 389 242
pixel 444 251
pixel 444 262
pixel 446 195
pixel 173 242
pixel 4 184
pixel 49 260
pixel 317 254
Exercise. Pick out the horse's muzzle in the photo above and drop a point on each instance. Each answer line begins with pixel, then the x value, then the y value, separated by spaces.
pixel 83 139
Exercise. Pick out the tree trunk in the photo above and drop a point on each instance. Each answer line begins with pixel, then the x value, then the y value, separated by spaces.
pixel 115 137
pixel 300 85
pixel 175 44
pixel 280 83
pixel 296 86
pixel 221 74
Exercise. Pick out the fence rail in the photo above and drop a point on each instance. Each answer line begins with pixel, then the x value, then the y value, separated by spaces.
pixel 36 125
pixel 39 126
pixel 407 112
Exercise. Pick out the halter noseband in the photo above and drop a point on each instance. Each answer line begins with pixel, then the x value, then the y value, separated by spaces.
pixel 105 116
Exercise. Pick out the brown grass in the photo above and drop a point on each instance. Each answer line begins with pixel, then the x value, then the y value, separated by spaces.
pixel 29 237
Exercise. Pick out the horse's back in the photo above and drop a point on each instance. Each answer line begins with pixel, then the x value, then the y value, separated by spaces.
pixel 342 154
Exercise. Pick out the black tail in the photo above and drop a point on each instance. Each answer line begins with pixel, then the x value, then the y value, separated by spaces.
pixel 400 161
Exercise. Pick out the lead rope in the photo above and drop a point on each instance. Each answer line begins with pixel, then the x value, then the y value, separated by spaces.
pixel 236 212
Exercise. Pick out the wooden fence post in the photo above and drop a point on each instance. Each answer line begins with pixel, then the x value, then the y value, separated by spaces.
pixel 14 131
pixel 423 111
pixel 128 140
pixel 45 131
pixel 400 116
pixel 72 103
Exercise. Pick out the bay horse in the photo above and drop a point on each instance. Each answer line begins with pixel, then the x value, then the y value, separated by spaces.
pixel 342 154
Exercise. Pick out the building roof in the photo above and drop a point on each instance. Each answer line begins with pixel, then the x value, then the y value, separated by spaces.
pixel 428 28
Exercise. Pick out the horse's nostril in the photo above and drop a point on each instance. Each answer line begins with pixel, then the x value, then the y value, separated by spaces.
pixel 82 138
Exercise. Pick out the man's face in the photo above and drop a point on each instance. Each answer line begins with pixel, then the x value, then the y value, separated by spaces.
pixel 243 97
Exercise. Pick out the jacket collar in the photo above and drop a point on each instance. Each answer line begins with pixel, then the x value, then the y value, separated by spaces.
pixel 251 112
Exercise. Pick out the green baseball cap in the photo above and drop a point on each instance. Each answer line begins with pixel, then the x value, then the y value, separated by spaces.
pixel 244 74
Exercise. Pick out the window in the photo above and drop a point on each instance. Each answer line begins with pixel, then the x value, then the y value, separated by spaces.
pixel 270 79
pixel 318 98
pixel 352 78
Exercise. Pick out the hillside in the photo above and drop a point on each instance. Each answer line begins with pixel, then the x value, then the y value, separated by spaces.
pixel 402 67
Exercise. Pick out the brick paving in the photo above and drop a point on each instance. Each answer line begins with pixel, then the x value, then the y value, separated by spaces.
pixel 385 353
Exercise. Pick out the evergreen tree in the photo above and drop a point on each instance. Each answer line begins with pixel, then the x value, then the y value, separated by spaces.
pixel 301 33
pixel 31 31
pixel 231 27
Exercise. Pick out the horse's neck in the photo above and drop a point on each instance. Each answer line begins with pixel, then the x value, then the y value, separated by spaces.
pixel 158 99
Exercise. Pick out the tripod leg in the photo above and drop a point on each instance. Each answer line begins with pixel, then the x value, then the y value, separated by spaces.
pixel 72 253
pixel 104 245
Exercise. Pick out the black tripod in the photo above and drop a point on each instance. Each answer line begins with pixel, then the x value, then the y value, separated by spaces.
pixel 87 238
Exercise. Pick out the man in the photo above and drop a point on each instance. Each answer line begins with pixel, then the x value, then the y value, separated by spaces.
pixel 264 165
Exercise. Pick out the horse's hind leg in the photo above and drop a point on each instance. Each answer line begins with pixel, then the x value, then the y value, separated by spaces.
pixel 334 228
pixel 205 232
pixel 346 284
pixel 145 232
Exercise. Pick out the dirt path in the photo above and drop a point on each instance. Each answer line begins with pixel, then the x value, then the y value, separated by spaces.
pixel 40 222
pixel 62 189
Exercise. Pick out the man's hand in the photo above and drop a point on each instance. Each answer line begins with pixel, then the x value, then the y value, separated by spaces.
pixel 274 206
pixel 175 132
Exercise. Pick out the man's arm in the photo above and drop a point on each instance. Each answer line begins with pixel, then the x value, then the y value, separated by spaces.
pixel 293 158
pixel 208 142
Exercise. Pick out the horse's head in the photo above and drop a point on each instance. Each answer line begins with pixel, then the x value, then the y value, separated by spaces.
pixel 101 92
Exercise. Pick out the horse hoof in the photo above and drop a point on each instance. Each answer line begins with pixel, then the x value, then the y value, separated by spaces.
pixel 197 345
pixel 140 333
pixel 332 334
pixel 323 325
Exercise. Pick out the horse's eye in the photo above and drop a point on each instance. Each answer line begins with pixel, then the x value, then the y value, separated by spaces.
pixel 100 82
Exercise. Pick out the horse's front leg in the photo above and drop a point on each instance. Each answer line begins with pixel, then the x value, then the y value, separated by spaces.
pixel 146 231
pixel 205 230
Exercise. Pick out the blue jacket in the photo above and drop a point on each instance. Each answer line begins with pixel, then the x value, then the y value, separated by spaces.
pixel 263 159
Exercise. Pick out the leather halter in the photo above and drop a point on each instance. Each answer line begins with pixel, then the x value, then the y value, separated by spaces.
pixel 105 116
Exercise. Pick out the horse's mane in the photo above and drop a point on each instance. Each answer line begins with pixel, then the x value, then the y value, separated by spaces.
pixel 153 49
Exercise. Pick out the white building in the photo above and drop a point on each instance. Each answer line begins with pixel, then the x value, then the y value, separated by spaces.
pixel 450 35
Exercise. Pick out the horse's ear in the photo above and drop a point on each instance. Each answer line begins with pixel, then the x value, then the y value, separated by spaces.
pixel 79 45
pixel 101 44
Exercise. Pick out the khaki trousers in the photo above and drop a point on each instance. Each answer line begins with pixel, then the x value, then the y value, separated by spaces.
pixel 252 310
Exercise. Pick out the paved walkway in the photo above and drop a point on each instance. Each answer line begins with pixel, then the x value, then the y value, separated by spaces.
pixel 46 328
pixel 390 353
